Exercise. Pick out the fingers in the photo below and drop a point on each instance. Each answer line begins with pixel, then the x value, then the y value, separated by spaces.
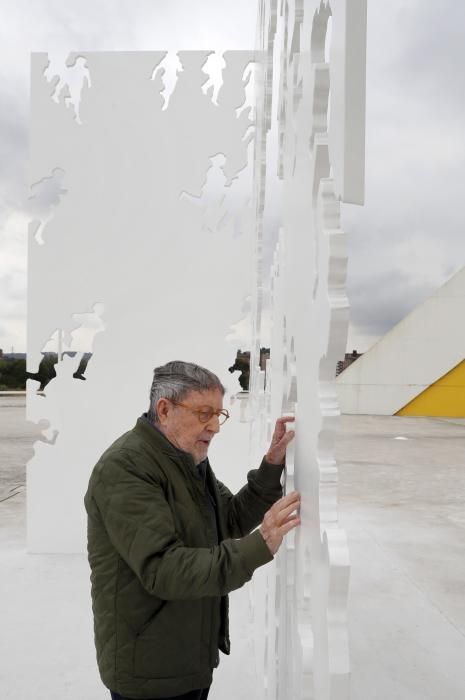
pixel 282 509
pixel 291 518
pixel 285 512
pixel 281 438
pixel 285 419
pixel 286 500
pixel 280 519
pixel 287 437
pixel 290 525
pixel 280 426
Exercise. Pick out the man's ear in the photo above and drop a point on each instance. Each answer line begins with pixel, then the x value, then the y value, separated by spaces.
pixel 163 407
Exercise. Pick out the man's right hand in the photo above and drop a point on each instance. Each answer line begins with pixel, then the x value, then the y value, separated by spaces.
pixel 279 520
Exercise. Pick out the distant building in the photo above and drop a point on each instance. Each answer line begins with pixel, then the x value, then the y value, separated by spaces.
pixel 418 367
pixel 349 358
pixel 264 356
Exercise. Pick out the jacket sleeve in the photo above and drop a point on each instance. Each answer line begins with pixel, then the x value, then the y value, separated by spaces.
pixel 245 510
pixel 140 526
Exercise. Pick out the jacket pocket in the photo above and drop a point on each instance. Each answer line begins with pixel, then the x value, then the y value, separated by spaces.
pixel 170 644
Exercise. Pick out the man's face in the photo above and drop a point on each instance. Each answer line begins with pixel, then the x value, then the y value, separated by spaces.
pixel 182 426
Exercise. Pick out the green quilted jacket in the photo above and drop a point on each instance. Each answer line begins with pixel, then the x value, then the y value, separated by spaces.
pixel 159 583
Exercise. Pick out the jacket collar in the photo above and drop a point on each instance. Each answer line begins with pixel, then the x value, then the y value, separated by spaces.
pixel 149 431
pixel 151 434
pixel 160 443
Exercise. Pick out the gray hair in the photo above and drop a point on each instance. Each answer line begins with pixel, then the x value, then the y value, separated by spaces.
pixel 176 379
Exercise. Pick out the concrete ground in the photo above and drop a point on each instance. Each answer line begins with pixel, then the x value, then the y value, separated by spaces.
pixel 402 504
pixel 402 489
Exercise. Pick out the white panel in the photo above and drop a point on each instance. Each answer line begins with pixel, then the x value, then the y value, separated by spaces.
pixel 145 244
pixel 320 162
pixel 348 81
pixel 149 224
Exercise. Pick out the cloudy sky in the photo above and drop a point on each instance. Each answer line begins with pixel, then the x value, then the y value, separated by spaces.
pixel 408 238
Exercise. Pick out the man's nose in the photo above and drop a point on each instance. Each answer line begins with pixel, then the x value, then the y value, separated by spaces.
pixel 214 424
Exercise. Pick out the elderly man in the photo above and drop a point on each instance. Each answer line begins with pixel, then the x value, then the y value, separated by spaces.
pixel 167 541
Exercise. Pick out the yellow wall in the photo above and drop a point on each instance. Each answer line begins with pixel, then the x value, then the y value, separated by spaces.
pixel 446 397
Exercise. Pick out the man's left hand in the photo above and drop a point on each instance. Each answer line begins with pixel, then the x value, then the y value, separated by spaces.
pixel 280 440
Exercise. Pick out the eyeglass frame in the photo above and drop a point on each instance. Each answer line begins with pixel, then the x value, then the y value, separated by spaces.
pixel 222 412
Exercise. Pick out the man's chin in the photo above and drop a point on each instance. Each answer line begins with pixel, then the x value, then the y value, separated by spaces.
pixel 200 454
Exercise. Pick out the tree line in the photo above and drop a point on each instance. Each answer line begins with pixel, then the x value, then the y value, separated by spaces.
pixel 13 372
pixel 12 375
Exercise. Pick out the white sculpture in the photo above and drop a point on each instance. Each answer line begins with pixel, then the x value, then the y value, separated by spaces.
pixel 145 237
pixel 311 133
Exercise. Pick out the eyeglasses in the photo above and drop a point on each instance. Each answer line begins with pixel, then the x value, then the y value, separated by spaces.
pixel 205 413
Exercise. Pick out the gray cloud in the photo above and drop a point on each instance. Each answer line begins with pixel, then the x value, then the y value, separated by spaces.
pixel 377 308
pixel 430 60
pixel 409 237
pixel 13 155
pixel 12 286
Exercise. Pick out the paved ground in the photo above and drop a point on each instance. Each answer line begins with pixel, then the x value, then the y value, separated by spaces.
pixel 402 504
pixel 16 440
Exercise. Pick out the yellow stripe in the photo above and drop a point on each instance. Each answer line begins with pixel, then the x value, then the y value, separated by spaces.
pixel 446 397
